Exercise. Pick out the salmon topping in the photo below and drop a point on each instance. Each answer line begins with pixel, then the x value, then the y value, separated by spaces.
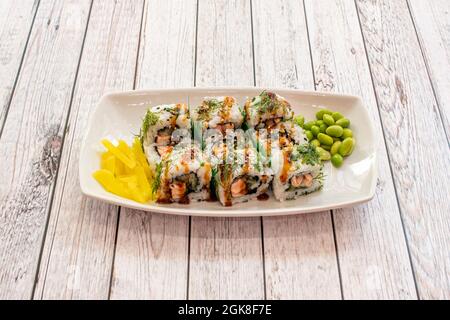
pixel 307 180
pixel 304 181
pixel 297 181
pixel 238 188
pixel 178 190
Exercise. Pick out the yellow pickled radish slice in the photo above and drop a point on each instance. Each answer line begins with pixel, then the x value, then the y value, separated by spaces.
pixel 130 163
pixel 141 158
pixel 125 171
pixel 143 182
pixel 109 163
pixel 137 194
pixel 123 146
pixel 110 183
pixel 130 178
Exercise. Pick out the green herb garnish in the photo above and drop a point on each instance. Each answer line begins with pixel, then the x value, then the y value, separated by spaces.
pixel 207 107
pixel 267 102
pixel 149 120
pixel 243 112
pixel 157 180
pixel 308 154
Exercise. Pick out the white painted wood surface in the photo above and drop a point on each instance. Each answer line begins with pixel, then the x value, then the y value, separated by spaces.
pixel 31 140
pixel 432 21
pixel 225 252
pixel 299 251
pixel 371 246
pixel 416 141
pixel 79 247
pixel 151 260
pixel 16 19
pixel 54 243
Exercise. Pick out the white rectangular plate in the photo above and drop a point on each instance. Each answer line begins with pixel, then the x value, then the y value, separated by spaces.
pixel 119 116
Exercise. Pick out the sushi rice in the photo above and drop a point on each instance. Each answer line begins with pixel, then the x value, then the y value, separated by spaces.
pixel 164 126
pixel 185 175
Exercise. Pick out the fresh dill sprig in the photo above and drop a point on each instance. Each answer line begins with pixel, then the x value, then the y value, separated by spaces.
pixel 243 112
pixel 321 176
pixel 207 107
pixel 269 102
pixel 308 154
pixel 266 103
pixel 149 120
pixel 157 180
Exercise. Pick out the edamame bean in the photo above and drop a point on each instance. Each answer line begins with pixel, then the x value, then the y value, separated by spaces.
pixel 320 113
pixel 324 146
pixel 323 127
pixel 325 139
pixel 300 120
pixel 344 122
pixel 324 155
pixel 347 133
pixel 328 119
pixel 315 143
pixel 335 147
pixel 309 135
pixel 346 147
pixel 335 131
pixel 353 147
pixel 319 123
pixel 337 115
pixel 337 160
pixel 308 125
pixel 315 130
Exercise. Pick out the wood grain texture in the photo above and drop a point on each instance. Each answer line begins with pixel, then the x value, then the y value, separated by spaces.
pixel 151 256
pixel 30 145
pixel 16 18
pixel 418 151
pixel 78 253
pixel 226 253
pixel 226 259
pixel 299 251
pixel 432 21
pixel 373 256
pixel 152 249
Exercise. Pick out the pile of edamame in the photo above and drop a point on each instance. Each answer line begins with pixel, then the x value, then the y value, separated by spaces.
pixel 330 133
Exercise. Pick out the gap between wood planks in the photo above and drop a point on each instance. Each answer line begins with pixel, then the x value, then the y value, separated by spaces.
pixel 2 124
pixel 387 153
pixel 427 65
pixel 404 66
pixel 331 211
pixel 119 208
pixel 190 217
pixel 261 218
pixel 63 138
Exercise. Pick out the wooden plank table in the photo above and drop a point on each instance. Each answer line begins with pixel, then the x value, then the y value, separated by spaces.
pixel 57 58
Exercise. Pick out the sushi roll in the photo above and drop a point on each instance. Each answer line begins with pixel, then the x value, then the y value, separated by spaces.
pixel 297 171
pixel 220 113
pixel 183 176
pixel 283 135
pixel 287 133
pixel 163 127
pixel 241 179
pixel 267 110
